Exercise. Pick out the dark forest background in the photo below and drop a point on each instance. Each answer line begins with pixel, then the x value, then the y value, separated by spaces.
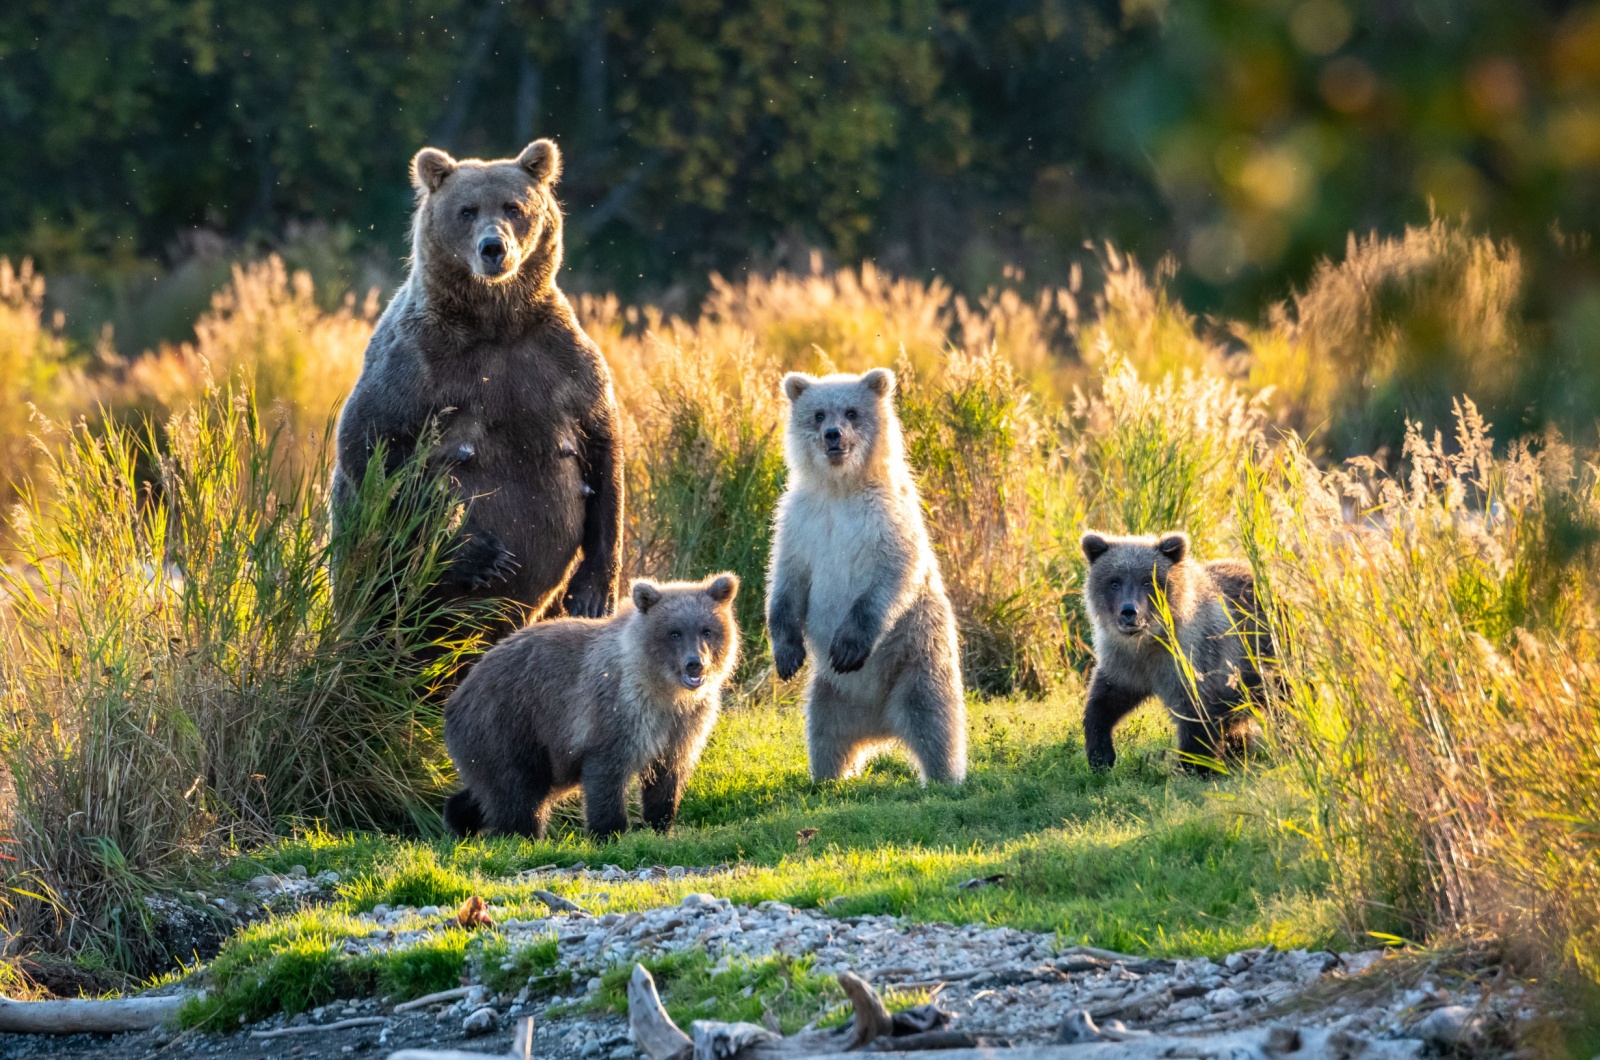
pixel 1246 138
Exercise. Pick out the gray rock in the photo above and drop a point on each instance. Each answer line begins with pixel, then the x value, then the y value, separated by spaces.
pixel 1224 998
pixel 482 1021
pixel 1450 1025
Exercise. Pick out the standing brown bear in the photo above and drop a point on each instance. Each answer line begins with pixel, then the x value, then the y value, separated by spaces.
pixel 482 343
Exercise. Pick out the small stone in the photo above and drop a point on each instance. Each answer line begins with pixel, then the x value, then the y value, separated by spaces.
pixel 328 877
pixel 1450 1025
pixel 482 1021
pixel 297 871
pixel 1224 998
pixel 696 900
pixel 594 986
pixel 1236 962
pixel 622 1052
pixel 264 883
pixel 1192 1010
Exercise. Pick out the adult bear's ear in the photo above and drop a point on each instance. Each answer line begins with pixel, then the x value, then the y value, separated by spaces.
pixel 1174 547
pixel 722 589
pixel 1094 546
pixel 880 381
pixel 429 169
pixel 645 595
pixel 542 160
pixel 795 384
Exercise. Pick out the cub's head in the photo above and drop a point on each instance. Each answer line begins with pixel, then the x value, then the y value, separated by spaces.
pixel 1124 573
pixel 488 223
pixel 840 426
pixel 686 631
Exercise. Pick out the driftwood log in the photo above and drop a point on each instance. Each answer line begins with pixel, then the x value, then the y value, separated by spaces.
pixel 919 1033
pixel 111 1016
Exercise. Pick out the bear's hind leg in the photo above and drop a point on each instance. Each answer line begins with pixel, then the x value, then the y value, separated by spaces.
pixel 835 731
pixel 519 802
pixel 929 715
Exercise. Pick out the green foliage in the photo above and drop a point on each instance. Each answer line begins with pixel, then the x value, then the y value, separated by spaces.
pixel 180 667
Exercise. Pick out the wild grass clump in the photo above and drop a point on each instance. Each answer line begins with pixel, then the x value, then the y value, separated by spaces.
pixel 265 334
pixel 996 505
pixel 180 668
pixel 32 356
pixel 1395 331
pixel 1440 686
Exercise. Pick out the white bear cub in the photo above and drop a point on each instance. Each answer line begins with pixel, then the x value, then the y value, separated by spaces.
pixel 855 583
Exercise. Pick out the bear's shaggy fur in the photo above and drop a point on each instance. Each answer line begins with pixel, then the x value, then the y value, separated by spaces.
pixel 480 344
pixel 592 703
pixel 855 582
pixel 1216 627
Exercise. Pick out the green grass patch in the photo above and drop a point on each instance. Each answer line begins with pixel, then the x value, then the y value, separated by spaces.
pixel 1145 860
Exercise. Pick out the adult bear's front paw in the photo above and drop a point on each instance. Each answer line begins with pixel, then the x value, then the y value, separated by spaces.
pixel 482 560
pixel 587 596
pixel 849 650
pixel 788 657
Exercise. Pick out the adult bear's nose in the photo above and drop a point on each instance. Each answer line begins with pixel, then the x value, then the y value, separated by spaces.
pixel 831 435
pixel 492 251
pixel 1129 612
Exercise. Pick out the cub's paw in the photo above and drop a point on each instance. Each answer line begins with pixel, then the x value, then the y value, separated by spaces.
pixel 588 596
pixel 849 650
pixel 787 658
pixel 1101 759
pixel 482 560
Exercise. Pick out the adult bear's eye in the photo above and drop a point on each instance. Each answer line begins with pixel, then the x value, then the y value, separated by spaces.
pixel 849 414
pixel 820 416
pixel 1115 583
pixel 513 210
pixel 676 635
pixel 469 213
pixel 705 634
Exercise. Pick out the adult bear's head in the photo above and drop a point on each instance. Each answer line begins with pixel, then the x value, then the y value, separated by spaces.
pixel 482 225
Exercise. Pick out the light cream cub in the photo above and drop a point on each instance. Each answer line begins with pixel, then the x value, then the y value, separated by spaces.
pixel 855 583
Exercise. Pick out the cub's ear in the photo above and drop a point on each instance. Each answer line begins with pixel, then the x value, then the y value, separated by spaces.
pixel 795 384
pixel 880 381
pixel 723 589
pixel 1094 546
pixel 542 160
pixel 429 168
pixel 645 595
pixel 1174 547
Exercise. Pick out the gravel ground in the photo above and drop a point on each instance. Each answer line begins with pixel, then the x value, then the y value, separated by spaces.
pixel 999 981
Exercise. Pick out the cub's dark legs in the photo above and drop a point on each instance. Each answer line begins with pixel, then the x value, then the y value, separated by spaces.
pixel 517 799
pixel 660 789
pixel 1108 704
pixel 605 797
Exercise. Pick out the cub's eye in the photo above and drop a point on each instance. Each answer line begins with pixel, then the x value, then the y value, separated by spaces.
pixel 469 213
pixel 820 416
pixel 513 210
pixel 1115 583
pixel 676 635
pixel 705 634
pixel 849 414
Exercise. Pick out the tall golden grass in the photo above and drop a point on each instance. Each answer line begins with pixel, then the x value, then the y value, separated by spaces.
pixel 1433 615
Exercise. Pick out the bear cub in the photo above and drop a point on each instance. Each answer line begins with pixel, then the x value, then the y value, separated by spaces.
pixel 1217 629
pixel 854 583
pixel 592 703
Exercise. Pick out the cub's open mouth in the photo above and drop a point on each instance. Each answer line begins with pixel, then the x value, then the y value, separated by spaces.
pixel 693 680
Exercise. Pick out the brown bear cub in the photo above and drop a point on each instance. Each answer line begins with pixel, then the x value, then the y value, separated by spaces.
pixel 592 703
pixel 481 346
pixel 1216 624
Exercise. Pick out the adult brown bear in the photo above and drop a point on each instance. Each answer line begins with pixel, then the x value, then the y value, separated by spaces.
pixel 480 343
